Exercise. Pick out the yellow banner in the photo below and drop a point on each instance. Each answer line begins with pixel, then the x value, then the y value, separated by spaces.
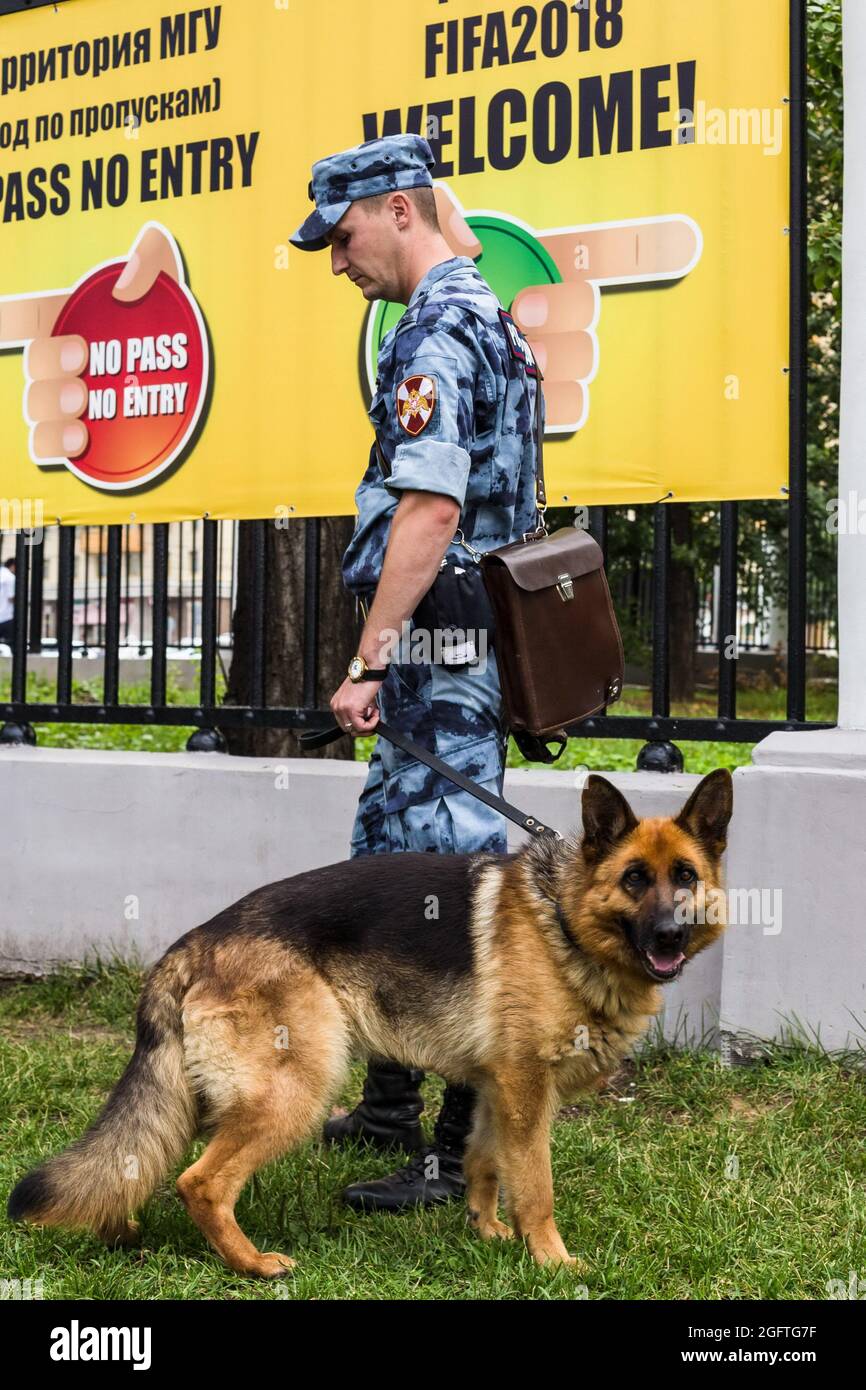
pixel 164 354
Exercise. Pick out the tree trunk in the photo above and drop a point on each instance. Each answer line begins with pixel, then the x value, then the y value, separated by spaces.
pixel 683 615
pixel 284 631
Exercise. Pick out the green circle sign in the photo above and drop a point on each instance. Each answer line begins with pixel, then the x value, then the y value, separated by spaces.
pixel 511 259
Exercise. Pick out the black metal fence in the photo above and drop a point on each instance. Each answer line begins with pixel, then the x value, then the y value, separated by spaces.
pixel 164 591
pixel 89 614
pixel 630 576
pixel 130 603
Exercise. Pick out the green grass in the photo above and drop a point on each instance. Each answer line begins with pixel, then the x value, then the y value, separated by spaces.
pixel 620 754
pixel 145 738
pixel 596 754
pixel 640 1175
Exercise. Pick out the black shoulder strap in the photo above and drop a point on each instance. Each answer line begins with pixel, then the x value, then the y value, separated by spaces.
pixel 540 494
pixel 521 352
pixel 380 452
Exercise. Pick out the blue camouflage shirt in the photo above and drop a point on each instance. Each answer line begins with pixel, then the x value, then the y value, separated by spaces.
pixel 454 411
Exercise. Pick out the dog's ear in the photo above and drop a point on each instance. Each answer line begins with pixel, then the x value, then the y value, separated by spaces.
pixel 607 816
pixel 708 810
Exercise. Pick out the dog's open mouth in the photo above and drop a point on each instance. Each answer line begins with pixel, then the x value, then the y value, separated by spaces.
pixel 662 967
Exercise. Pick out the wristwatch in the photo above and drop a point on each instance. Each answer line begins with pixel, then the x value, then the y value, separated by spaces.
pixel 360 671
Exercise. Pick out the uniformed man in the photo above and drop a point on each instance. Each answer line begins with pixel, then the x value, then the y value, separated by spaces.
pixel 454 467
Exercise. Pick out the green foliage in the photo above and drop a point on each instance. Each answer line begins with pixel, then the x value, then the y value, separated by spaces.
pixel 826 129
pixel 145 738
pixel 700 757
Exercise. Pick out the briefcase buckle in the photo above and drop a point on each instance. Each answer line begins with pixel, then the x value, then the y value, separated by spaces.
pixel 565 587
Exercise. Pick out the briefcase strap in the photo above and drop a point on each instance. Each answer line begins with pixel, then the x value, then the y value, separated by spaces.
pixel 540 493
pixel 383 462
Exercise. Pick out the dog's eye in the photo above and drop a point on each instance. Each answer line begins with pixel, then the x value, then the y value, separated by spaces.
pixel 634 877
pixel 686 874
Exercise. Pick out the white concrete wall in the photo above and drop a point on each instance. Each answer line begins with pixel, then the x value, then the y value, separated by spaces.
pixel 123 852
pixel 91 839
pixel 799 828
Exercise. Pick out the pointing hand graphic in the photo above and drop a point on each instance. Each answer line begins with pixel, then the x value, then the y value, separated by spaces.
pixel 56 397
pixel 453 224
pixel 560 318
pixel 116 368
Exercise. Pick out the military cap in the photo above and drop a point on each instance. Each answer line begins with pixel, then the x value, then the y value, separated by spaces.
pixel 377 166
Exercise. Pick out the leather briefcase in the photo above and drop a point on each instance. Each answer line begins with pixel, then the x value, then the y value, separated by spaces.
pixel 558 644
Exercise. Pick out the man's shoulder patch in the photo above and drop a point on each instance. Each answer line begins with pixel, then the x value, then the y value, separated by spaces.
pixel 517 344
pixel 416 400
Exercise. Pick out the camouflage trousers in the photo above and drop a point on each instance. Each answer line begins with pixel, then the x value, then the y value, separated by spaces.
pixel 405 805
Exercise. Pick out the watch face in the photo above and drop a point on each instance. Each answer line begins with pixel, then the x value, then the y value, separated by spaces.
pixel 356 668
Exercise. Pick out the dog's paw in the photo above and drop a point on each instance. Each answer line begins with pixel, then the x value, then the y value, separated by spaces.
pixel 554 1258
pixel 126 1235
pixel 548 1249
pixel 273 1264
pixel 493 1229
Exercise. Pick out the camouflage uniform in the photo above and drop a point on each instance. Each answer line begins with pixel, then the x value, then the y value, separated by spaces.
pixel 478 448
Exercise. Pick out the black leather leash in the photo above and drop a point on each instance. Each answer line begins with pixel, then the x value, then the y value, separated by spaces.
pixel 318 739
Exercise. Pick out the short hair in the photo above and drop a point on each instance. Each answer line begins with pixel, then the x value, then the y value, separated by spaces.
pixel 423 198
pixel 10 561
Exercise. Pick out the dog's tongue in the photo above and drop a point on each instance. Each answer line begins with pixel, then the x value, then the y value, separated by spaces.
pixel 666 965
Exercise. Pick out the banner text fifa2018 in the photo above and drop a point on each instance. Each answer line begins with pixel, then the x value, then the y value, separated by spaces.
pixel 618 170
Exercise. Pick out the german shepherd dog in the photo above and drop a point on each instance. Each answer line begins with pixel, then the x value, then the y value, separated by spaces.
pixel 529 976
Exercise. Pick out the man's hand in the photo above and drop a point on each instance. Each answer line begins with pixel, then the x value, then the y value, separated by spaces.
pixel 56 396
pixel 422 528
pixel 355 708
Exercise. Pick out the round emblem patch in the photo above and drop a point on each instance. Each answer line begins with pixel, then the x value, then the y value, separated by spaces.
pixel 416 397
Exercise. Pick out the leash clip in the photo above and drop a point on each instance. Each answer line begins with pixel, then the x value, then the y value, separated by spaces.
pixel 461 540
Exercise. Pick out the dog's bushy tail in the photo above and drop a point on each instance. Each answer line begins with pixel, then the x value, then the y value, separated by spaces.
pixel 142 1130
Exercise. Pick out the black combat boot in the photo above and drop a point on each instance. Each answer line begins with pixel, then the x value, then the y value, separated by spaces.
pixel 435 1174
pixel 387 1115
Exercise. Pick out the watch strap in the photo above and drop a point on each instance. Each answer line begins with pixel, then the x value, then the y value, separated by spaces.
pixel 369 673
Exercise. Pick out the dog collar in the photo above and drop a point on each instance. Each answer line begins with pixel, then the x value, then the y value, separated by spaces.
pixel 560 917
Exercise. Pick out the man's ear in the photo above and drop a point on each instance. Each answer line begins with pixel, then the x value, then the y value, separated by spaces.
pixel 399 208
pixel 607 817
